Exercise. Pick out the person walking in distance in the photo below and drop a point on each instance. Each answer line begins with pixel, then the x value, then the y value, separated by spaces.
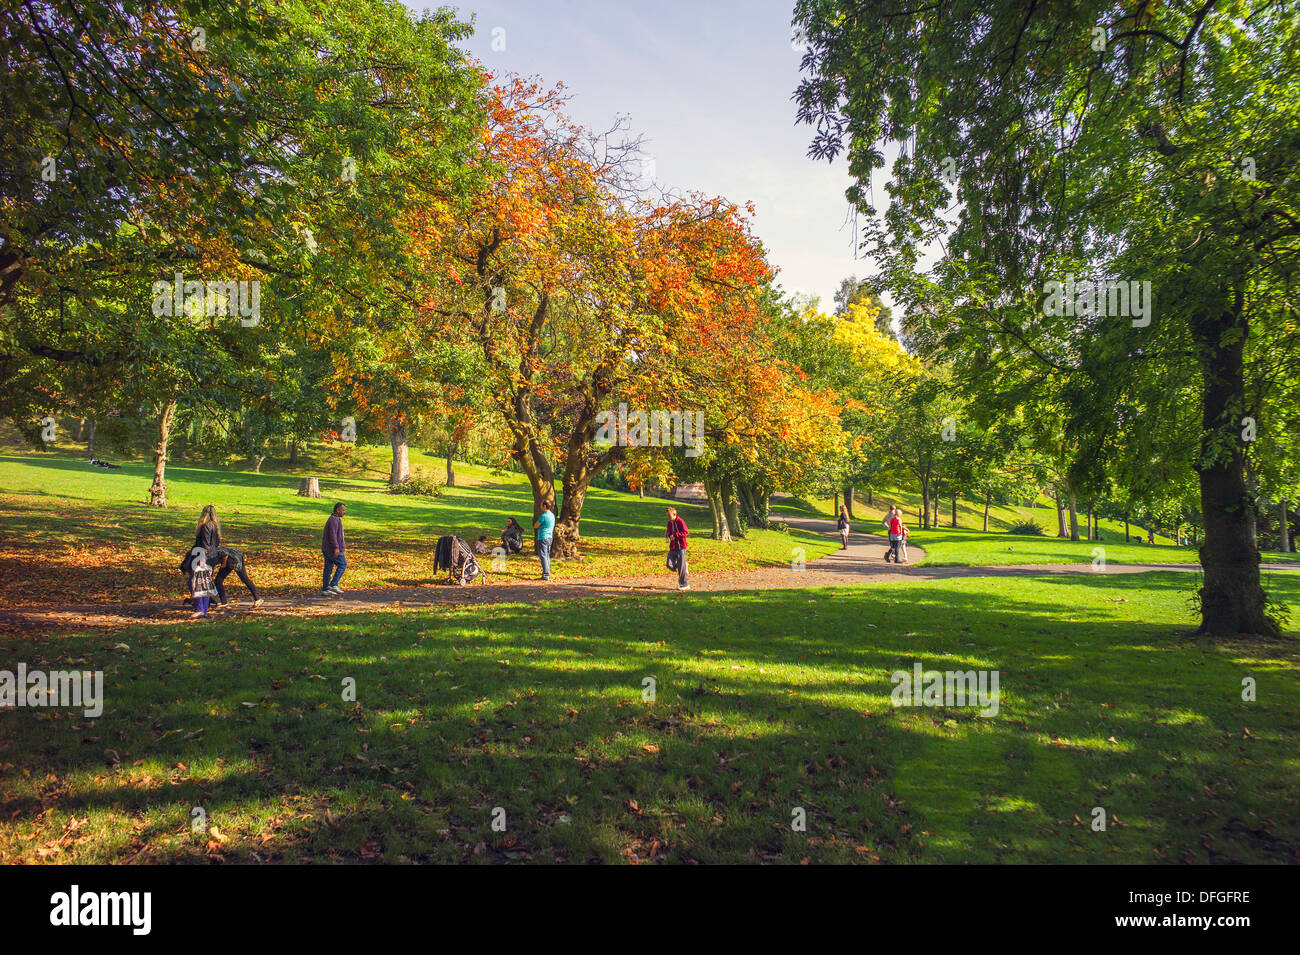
pixel 888 520
pixel 332 546
pixel 842 524
pixel 895 534
pixel 676 535
pixel 545 527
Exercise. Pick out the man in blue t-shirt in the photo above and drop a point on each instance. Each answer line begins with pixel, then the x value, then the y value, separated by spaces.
pixel 545 527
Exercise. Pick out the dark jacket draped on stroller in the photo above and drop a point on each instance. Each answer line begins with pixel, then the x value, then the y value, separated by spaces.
pixel 454 555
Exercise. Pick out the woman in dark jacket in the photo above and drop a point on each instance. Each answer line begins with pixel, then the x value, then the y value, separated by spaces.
pixel 512 538
pixel 223 559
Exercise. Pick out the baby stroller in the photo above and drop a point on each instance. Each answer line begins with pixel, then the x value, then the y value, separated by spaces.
pixel 456 557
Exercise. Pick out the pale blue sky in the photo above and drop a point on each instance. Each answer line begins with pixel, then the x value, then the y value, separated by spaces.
pixel 708 84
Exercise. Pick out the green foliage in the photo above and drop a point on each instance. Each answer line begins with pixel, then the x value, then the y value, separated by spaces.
pixel 1026 527
pixel 421 485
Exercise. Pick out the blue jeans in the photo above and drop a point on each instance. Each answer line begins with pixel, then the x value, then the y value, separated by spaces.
pixel 680 562
pixel 544 555
pixel 341 563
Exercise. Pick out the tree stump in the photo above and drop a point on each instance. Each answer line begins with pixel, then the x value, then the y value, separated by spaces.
pixel 309 487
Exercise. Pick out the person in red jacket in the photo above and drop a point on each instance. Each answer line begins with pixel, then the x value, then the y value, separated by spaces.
pixel 677 548
pixel 895 534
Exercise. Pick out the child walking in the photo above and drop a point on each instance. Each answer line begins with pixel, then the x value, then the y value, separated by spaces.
pixel 201 589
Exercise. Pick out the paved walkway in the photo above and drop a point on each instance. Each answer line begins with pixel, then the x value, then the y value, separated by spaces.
pixel 861 562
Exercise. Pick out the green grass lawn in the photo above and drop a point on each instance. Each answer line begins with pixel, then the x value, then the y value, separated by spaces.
pixel 766 702
pixel 946 547
pixel 967 545
pixel 82 534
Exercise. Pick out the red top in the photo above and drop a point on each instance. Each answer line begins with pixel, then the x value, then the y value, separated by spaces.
pixel 896 525
pixel 677 534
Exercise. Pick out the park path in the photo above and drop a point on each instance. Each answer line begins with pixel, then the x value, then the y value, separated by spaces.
pixel 860 563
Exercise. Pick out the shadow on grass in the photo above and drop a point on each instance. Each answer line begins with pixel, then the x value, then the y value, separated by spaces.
pixel 764 702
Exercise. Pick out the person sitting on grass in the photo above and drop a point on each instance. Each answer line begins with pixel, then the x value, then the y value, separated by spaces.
pixel 481 545
pixel 332 546
pixel 512 538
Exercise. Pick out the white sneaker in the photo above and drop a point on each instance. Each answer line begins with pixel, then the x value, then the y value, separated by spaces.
pixel 684 587
pixel 337 591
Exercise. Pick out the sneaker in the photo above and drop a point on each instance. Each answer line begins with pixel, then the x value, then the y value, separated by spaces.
pixel 336 591
pixel 326 592
pixel 684 587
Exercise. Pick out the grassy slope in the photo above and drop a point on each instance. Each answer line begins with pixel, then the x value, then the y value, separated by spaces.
pixel 765 702
pixel 968 546
pixel 80 534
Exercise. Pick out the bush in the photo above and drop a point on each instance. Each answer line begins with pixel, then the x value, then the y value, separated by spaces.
pixel 420 484
pixel 1031 527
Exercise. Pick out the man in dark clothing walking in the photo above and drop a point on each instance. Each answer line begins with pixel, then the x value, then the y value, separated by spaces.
pixel 676 535
pixel 332 546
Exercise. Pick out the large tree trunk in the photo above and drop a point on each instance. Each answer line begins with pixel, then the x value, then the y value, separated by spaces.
pixel 581 467
pixel 925 503
pixel 1126 527
pixel 568 525
pixel 731 509
pixel 1060 514
pixel 835 503
pixel 987 495
pixel 1232 600
pixel 400 471
pixel 158 490
pixel 1283 526
pixel 713 488
pixel 869 503
pixel 848 500
pixel 293 452
pixel 754 504
pixel 309 487
pixel 90 440
pixel 451 468
pixel 954 508
pixel 1074 518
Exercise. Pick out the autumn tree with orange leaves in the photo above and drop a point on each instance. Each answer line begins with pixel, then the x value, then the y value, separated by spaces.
pixel 581 291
